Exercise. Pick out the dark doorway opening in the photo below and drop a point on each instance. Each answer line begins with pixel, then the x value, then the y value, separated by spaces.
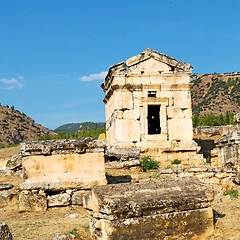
pixel 153 119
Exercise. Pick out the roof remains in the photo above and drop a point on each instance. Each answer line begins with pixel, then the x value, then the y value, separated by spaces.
pixel 121 68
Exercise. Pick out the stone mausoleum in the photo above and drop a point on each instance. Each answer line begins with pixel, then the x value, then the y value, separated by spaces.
pixel 148 107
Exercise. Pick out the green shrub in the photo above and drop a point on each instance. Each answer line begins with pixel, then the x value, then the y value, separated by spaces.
pixel 147 163
pixel 232 193
pixel 208 160
pixel 176 161
pixel 74 232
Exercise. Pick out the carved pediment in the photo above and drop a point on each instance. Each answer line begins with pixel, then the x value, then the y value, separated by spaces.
pixel 165 62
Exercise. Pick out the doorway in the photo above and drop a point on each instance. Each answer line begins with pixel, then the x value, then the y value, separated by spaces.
pixel 153 119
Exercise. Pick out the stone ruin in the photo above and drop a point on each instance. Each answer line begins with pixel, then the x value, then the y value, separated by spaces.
pixel 148 112
pixel 148 107
pixel 171 208
pixel 55 172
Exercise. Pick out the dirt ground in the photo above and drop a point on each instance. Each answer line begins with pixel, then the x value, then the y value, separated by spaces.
pixel 42 225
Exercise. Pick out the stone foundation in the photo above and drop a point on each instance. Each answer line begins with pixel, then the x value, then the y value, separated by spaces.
pixel 172 208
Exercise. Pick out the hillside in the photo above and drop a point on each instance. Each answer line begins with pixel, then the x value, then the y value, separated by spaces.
pixel 16 127
pixel 78 127
pixel 217 93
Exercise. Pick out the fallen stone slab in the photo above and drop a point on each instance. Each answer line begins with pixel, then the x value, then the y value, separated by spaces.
pixel 5 186
pixel 15 162
pixel 171 208
pixel 5 233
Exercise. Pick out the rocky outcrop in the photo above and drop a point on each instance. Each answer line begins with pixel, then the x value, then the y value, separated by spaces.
pixel 172 208
pixel 5 233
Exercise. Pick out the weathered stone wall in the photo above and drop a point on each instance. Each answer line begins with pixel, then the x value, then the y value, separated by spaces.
pixel 222 178
pixel 171 208
pixel 208 131
pixel 229 147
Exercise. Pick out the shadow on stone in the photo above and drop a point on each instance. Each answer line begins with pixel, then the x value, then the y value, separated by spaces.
pixel 118 179
pixel 217 215
pixel 206 146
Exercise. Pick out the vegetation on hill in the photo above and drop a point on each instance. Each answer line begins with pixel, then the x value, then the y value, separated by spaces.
pixel 80 128
pixel 211 119
pixel 82 134
pixel 16 127
pixel 216 93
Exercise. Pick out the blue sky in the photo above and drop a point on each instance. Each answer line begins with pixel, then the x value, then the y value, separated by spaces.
pixel 48 46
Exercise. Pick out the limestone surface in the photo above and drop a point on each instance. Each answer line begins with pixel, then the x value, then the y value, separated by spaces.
pixel 59 200
pixel 148 107
pixel 32 202
pixel 55 165
pixel 77 197
pixel 176 208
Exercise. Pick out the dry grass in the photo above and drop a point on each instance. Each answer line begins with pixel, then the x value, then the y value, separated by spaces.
pixel 42 225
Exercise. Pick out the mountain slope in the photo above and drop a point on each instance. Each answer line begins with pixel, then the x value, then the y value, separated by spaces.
pixel 217 93
pixel 78 127
pixel 16 127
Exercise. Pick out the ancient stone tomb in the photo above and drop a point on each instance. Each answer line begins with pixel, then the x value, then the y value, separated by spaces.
pixel 170 208
pixel 57 165
pixel 148 106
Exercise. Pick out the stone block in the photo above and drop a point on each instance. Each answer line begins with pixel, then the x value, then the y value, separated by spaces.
pixel 5 233
pixel 175 112
pixel 77 197
pixel 132 114
pixel 180 129
pixel 59 200
pixel 182 99
pixel 171 208
pixel 119 130
pixel 4 198
pixel 32 202
pixel 132 129
pixel 61 237
pixel 61 172
pixel 123 100
pixel 190 224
